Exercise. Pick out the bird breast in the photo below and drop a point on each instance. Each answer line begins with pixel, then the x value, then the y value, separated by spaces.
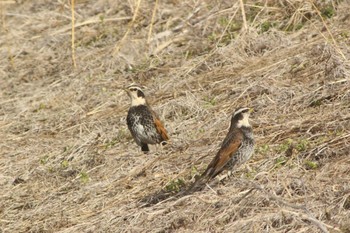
pixel 141 124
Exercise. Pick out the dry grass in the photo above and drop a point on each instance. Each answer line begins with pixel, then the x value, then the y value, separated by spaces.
pixel 68 163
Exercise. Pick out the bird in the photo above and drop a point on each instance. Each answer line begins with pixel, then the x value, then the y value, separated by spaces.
pixel 236 149
pixel 143 123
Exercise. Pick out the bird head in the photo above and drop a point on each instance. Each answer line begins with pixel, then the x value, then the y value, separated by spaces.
pixel 240 117
pixel 136 95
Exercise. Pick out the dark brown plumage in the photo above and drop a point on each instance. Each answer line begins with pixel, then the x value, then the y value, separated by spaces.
pixel 142 121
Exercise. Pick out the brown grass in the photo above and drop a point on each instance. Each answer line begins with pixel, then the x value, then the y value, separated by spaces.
pixel 69 164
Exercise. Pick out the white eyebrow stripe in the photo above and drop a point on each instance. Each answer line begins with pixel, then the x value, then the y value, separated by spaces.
pixel 240 110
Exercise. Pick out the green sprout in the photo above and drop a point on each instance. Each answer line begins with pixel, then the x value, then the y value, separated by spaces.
pixel 174 185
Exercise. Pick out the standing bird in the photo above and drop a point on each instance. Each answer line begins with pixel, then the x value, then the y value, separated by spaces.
pixel 236 149
pixel 143 122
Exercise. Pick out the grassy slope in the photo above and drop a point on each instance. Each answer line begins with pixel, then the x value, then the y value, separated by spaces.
pixel 68 163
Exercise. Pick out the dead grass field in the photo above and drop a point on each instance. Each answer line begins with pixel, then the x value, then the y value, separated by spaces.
pixel 69 164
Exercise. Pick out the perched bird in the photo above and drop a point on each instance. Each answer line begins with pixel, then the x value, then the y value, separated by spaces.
pixel 236 149
pixel 143 122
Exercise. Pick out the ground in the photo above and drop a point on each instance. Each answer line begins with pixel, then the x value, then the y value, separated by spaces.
pixel 69 164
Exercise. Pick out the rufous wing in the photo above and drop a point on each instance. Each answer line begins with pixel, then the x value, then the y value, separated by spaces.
pixel 160 129
pixel 224 155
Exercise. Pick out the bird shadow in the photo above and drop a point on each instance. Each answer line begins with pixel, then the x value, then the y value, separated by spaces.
pixel 164 195
pixel 160 196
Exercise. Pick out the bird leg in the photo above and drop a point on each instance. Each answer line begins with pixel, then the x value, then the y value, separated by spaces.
pixel 144 148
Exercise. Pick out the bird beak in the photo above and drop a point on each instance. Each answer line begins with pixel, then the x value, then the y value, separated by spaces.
pixel 251 110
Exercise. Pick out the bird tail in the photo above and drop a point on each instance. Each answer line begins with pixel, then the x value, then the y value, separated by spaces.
pixel 196 186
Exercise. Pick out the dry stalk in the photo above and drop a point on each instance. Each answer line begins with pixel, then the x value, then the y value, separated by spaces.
pixel 245 26
pixel 94 20
pixel 73 34
pixel 152 21
pixel 329 32
pixel 131 24
pixel 227 26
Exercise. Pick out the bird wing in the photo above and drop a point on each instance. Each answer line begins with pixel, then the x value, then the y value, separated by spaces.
pixel 159 127
pixel 228 148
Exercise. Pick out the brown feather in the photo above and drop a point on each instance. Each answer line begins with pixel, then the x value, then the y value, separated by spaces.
pixel 160 129
pixel 224 155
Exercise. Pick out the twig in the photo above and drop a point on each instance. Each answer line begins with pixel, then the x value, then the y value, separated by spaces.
pixel 325 25
pixel 329 32
pixel 87 22
pixel 226 28
pixel 321 225
pixel 73 35
pixel 274 197
pixel 118 45
pixel 170 32
pixel 8 2
pixel 167 43
pixel 152 21
pixel 245 26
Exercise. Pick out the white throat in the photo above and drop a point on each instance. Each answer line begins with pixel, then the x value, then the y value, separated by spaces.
pixel 244 122
pixel 138 101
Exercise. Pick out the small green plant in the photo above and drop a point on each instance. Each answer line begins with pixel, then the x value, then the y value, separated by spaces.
pixel 253 11
pixel 174 185
pixel 336 132
pixel 328 12
pixel 51 169
pixel 189 54
pixel 281 161
pixel 40 107
pixel 265 26
pixel 298 26
pixel 210 101
pixel 201 130
pixel 64 164
pixel 112 142
pixel 224 21
pixel 194 171
pixel 66 149
pixel 263 149
pixel 84 177
pixel 310 165
pixel 302 145
pixel 212 37
pixel 232 26
pixel 43 160
pixel 345 35
pixel 298 67
pixel 102 18
pixel 285 145
pixel 293 27
pixel 316 103
pixel 250 174
pixel 225 40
